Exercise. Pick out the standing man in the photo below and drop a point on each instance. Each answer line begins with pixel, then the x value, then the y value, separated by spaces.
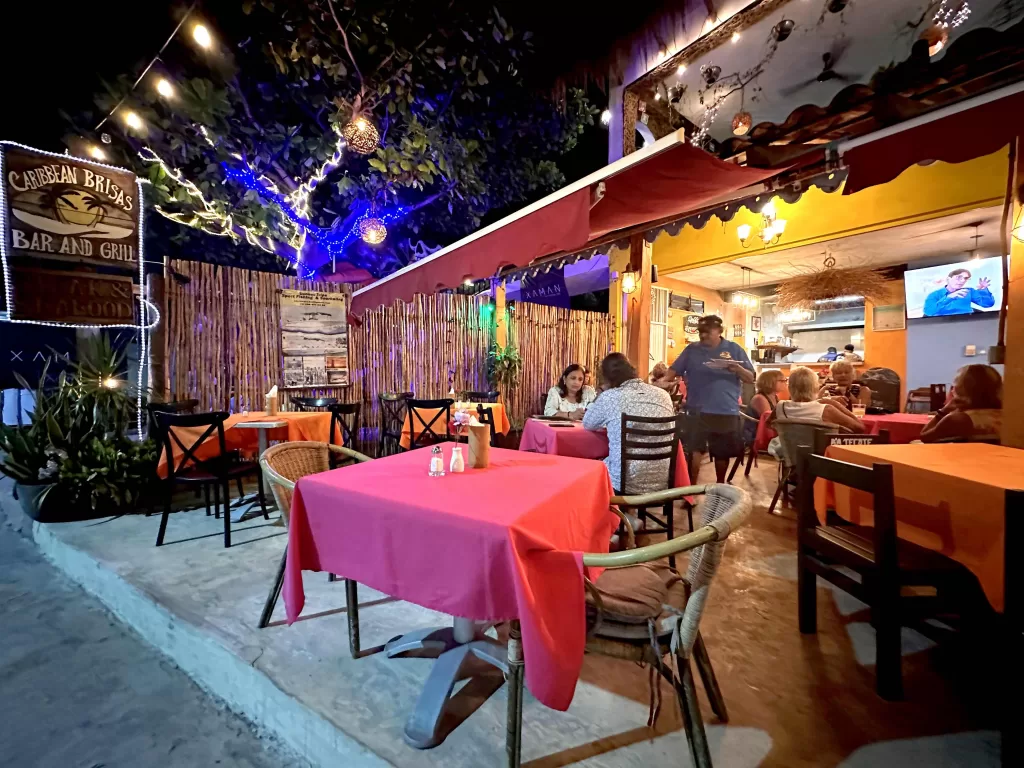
pixel 713 369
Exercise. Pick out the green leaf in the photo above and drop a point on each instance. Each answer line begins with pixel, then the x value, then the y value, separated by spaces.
pixel 378 164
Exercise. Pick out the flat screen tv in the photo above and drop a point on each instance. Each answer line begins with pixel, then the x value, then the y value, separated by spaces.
pixel 964 288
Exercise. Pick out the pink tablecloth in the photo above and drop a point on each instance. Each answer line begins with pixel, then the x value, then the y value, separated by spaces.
pixel 574 440
pixel 490 544
pixel 903 427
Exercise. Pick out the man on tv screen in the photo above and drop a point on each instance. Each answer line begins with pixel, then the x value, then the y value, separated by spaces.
pixel 955 298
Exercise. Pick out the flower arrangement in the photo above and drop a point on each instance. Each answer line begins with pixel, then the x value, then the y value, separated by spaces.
pixel 461 419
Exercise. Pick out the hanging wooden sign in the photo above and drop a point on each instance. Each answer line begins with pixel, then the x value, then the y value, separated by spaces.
pixel 73 297
pixel 65 208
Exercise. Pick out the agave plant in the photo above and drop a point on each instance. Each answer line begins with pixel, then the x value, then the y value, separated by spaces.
pixel 76 439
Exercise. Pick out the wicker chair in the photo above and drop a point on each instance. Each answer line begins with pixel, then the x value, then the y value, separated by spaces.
pixel 282 466
pixel 673 633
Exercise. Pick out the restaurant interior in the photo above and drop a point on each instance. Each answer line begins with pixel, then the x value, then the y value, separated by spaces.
pixel 424 566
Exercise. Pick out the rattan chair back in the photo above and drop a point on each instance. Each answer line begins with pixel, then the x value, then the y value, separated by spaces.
pixel 284 464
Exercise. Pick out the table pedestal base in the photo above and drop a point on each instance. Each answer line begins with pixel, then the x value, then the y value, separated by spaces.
pixel 455 646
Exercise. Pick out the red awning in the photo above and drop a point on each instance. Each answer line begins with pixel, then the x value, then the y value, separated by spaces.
pixel 956 138
pixel 560 226
pixel 671 181
pixel 675 182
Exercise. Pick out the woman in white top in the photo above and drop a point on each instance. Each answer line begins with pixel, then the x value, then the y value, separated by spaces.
pixel 803 388
pixel 570 397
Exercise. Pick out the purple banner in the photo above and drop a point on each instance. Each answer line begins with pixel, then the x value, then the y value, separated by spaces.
pixel 549 289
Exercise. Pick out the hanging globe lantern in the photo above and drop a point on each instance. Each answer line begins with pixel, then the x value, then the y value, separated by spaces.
pixel 741 123
pixel 372 230
pixel 361 135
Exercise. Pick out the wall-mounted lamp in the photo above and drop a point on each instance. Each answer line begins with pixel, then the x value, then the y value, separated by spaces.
pixel 770 231
pixel 629 282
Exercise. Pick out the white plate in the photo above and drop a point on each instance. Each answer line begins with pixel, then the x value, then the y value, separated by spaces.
pixel 720 364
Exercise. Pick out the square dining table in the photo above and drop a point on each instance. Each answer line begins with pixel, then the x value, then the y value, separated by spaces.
pixel 501 422
pixel 493 544
pixel 570 438
pixel 950 497
pixel 250 432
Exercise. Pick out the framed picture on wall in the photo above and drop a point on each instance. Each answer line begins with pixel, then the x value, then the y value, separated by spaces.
pixel 755 323
pixel 737 331
pixel 892 317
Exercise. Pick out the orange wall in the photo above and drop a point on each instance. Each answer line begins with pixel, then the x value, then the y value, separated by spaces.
pixel 713 305
pixel 887 349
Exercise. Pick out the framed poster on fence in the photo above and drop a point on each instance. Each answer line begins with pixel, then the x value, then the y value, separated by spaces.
pixel 314 339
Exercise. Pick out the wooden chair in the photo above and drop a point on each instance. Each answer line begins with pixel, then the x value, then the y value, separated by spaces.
pixel 486 416
pixel 822 440
pixel 392 419
pixel 425 428
pixel 919 400
pixel 672 629
pixel 470 396
pixel 217 471
pixel 152 430
pixel 175 406
pixel 282 466
pixel 313 403
pixel 651 439
pixel 345 421
pixel 748 424
pixel 883 565
pixel 798 437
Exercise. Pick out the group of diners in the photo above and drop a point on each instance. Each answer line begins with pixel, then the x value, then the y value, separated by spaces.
pixel 711 372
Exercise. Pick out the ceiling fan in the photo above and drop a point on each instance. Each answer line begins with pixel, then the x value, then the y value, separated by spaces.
pixel 828 72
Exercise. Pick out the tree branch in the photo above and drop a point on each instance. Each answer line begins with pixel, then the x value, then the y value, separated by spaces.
pixel 344 38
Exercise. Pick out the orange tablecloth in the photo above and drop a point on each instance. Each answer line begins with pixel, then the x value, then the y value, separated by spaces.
pixel 501 423
pixel 949 498
pixel 312 425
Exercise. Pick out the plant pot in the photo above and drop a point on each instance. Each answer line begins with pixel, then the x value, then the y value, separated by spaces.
pixel 54 507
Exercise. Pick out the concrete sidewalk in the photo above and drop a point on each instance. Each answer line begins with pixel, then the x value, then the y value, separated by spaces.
pixel 77 689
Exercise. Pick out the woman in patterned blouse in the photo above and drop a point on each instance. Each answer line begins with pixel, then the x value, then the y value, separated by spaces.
pixel 570 397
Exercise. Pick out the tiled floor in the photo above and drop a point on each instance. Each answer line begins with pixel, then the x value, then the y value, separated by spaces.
pixel 794 701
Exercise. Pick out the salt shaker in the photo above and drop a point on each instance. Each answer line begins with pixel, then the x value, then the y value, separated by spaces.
pixel 436 462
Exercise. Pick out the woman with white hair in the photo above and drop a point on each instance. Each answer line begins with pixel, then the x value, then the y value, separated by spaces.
pixel 804 405
pixel 844 390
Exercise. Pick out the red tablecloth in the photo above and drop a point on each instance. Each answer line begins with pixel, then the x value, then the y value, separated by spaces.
pixel 490 544
pixel 574 440
pixel 903 427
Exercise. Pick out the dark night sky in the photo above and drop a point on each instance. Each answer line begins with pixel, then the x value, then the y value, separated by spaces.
pixel 53 56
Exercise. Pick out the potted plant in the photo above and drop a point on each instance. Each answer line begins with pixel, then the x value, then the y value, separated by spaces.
pixel 74 460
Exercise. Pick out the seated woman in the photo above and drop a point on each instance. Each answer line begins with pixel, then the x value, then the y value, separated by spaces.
pixel 845 391
pixel 662 378
pixel 625 393
pixel 976 409
pixel 570 397
pixel 769 385
pixel 803 405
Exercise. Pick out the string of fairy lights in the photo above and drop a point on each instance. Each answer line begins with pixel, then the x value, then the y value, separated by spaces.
pixel 212 217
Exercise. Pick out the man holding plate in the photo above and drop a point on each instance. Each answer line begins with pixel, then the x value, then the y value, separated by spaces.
pixel 713 369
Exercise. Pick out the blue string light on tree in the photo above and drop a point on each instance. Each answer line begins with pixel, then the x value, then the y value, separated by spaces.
pixel 369 226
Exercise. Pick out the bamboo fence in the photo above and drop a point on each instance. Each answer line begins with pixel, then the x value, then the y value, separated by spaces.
pixel 550 339
pixel 224 344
